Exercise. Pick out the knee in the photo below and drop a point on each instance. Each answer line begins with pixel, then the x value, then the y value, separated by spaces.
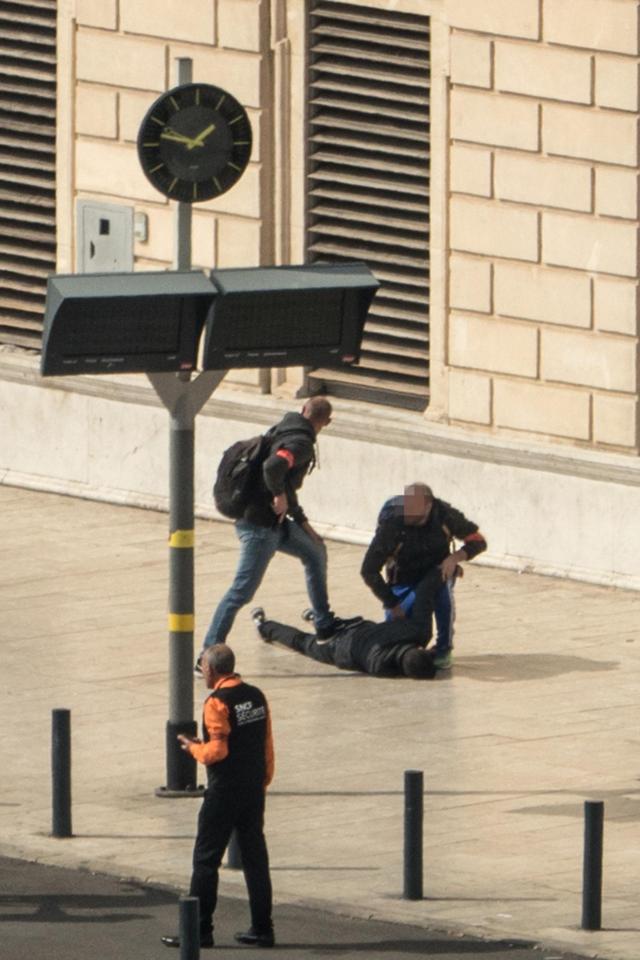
pixel 317 557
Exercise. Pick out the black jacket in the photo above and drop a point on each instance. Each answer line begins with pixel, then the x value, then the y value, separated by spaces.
pixel 410 552
pixel 291 456
pixel 375 648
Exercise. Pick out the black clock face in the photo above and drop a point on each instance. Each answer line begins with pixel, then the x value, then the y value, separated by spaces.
pixel 194 142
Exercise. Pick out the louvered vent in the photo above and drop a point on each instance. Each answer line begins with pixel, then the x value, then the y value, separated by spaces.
pixel 368 186
pixel 27 165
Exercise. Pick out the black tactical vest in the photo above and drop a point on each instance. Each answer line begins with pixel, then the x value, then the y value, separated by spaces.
pixel 245 761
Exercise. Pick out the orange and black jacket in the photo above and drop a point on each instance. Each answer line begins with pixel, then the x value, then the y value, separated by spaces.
pixel 415 550
pixel 237 746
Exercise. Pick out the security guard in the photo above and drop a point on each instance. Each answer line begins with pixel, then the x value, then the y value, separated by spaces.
pixel 237 749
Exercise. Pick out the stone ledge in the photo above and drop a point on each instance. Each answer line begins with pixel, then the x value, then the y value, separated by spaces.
pixel 356 421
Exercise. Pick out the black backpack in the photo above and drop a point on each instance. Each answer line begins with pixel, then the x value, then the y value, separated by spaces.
pixel 237 474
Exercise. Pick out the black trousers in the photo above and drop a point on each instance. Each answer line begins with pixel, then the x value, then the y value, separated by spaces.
pixel 298 640
pixel 225 807
pixel 424 605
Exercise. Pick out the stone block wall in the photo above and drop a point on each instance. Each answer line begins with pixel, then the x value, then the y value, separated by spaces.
pixel 543 219
pixel 125 53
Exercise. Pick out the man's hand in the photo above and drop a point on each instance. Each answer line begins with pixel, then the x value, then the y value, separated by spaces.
pixel 280 505
pixel 449 564
pixel 397 612
pixel 185 742
pixel 308 529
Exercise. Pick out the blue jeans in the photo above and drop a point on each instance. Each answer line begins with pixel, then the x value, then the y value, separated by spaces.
pixel 440 602
pixel 257 547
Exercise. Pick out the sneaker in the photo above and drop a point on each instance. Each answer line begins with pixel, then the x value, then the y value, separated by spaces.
pixel 197 668
pixel 308 615
pixel 442 660
pixel 253 939
pixel 258 616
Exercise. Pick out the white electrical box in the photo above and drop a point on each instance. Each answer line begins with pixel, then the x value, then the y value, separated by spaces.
pixel 105 237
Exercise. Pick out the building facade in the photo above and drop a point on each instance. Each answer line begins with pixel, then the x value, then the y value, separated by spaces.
pixel 482 158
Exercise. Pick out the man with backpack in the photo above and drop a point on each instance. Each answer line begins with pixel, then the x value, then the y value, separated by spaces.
pixel 271 519
pixel 413 543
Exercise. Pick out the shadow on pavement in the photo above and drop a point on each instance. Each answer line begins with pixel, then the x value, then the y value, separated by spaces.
pixel 507 668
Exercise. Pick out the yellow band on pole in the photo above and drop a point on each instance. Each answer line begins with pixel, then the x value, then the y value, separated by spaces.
pixel 181 622
pixel 182 538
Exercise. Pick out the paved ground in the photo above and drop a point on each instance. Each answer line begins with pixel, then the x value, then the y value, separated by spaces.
pixel 65 914
pixel 61 914
pixel 539 714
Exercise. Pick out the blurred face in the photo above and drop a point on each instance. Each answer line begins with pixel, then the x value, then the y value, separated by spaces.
pixel 416 506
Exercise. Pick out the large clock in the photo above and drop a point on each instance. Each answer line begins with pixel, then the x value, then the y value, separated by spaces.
pixel 194 142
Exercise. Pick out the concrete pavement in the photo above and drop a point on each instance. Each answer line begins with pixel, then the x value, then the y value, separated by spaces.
pixel 539 714
pixel 66 914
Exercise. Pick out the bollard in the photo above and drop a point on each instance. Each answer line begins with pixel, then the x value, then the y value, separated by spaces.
pixel 413 816
pixel 234 858
pixel 61 773
pixel 592 865
pixel 189 928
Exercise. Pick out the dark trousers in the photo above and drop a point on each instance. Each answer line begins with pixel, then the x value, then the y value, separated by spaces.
pixel 426 591
pixel 306 643
pixel 224 808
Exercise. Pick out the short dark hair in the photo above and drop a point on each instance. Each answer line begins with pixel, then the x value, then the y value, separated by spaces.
pixel 317 409
pixel 418 664
pixel 220 658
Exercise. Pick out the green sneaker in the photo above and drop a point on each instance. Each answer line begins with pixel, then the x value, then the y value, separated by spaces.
pixel 443 660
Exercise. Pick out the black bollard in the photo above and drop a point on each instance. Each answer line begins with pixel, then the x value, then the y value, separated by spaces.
pixel 234 858
pixel 413 816
pixel 592 865
pixel 61 773
pixel 189 928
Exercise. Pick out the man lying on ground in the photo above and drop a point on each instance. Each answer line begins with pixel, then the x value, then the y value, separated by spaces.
pixel 389 649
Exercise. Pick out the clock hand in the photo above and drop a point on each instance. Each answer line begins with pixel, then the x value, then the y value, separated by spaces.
pixel 169 134
pixel 199 140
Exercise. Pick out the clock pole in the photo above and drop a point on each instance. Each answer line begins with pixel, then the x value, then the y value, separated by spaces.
pixel 182 259
pixel 183 398
pixel 215 165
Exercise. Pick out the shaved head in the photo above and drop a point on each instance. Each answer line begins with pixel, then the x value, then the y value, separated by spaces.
pixel 318 410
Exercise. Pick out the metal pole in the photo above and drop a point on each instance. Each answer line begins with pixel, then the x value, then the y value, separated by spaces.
pixel 182 258
pixel 189 928
pixel 61 773
pixel 181 767
pixel 592 865
pixel 413 818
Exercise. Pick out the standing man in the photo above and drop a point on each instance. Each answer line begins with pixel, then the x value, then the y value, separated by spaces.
pixel 413 542
pixel 237 749
pixel 274 520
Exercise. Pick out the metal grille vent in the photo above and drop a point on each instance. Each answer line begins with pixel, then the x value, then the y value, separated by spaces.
pixel 368 186
pixel 27 165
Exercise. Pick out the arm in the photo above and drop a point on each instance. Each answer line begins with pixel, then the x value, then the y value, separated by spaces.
pixel 472 539
pixel 269 752
pixel 276 472
pixel 385 541
pixel 216 720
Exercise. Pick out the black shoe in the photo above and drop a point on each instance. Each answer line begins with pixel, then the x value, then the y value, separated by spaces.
pixel 258 616
pixel 253 939
pixel 206 940
pixel 308 615
pixel 197 669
